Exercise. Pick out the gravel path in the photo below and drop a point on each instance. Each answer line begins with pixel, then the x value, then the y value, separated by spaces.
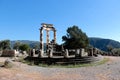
pixel 108 71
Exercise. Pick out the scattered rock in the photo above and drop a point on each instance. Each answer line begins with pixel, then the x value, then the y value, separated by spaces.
pixel 8 63
pixel 108 64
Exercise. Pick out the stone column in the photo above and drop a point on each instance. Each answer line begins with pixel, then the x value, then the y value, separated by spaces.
pixel 41 43
pixel 33 52
pixel 82 52
pixel 55 36
pixel 47 33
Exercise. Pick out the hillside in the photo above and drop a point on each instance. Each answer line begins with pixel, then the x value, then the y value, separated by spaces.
pixel 103 43
pixel 95 42
pixel 30 43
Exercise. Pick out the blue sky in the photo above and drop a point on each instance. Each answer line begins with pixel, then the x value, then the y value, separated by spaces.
pixel 21 19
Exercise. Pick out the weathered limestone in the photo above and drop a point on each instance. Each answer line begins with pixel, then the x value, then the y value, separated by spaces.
pixel 90 52
pixel 66 55
pixel 41 53
pixel 94 50
pixel 50 55
pixel 47 32
pixel 54 36
pixel 8 63
pixel 80 52
pixel 85 54
pixel 41 43
pixel 77 53
pixel 8 53
pixel 32 52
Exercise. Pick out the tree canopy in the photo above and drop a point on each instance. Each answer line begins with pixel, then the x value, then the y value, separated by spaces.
pixel 75 38
pixel 21 46
pixel 16 45
pixel 24 47
pixel 5 44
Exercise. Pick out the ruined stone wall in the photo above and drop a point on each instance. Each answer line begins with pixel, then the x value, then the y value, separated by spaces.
pixel 8 53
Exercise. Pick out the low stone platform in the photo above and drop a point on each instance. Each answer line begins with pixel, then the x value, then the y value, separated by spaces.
pixel 62 60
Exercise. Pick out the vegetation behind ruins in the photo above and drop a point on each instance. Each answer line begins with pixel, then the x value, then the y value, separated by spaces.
pixel 99 43
pixel 74 39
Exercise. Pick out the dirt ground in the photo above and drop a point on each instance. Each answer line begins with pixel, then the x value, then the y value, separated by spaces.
pixel 107 71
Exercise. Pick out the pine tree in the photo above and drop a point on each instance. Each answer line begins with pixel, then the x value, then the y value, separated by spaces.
pixel 75 38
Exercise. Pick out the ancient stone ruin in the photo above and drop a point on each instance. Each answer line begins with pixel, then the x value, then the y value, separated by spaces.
pixel 49 47
pixel 53 53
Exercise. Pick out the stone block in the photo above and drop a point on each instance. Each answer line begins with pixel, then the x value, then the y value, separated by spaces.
pixel 66 53
pixel 77 53
pixel 82 51
pixel 8 63
pixel 8 53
